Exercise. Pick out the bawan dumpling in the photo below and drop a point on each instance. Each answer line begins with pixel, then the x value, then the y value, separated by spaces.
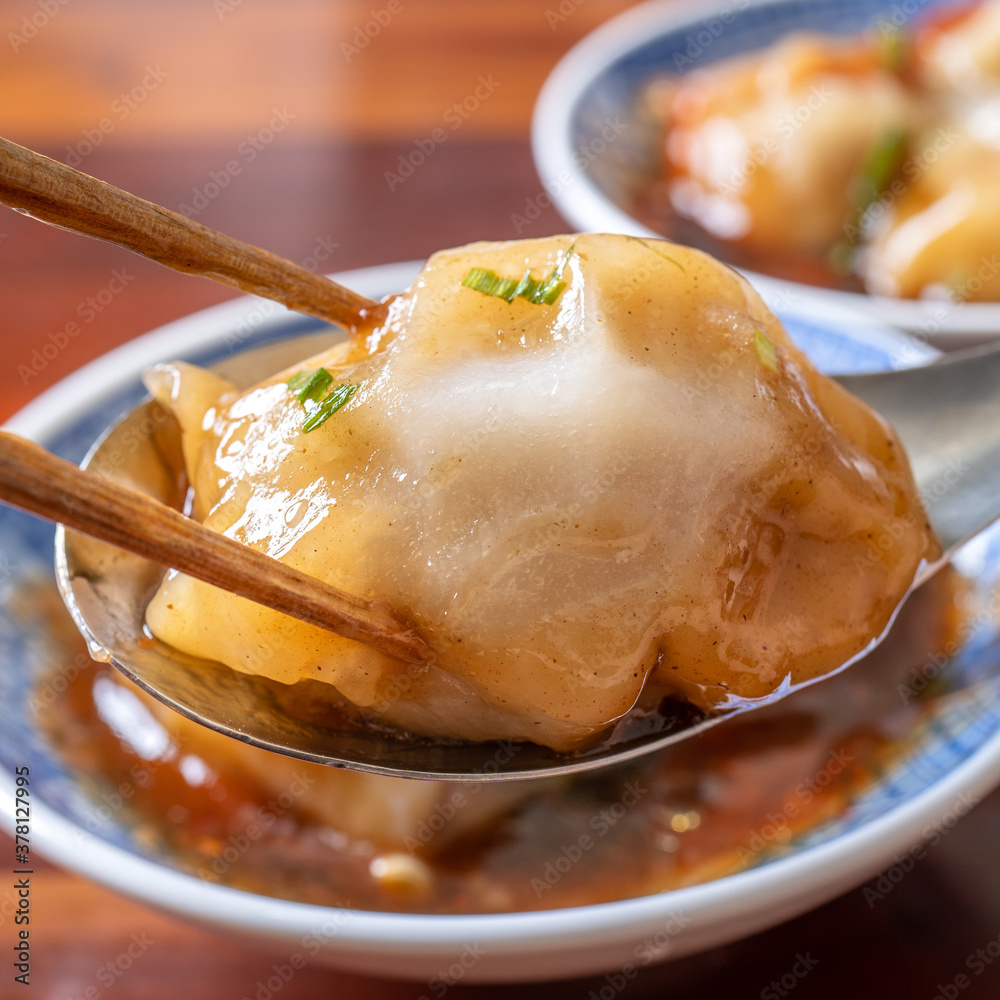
pixel 627 475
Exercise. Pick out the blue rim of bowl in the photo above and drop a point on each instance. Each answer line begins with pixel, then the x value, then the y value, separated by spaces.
pixel 782 886
pixel 556 146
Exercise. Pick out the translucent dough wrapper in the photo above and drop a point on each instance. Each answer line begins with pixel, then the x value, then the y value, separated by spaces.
pixel 642 483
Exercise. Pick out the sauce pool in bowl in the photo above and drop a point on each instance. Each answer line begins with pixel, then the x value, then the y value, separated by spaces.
pixel 945 756
pixel 728 800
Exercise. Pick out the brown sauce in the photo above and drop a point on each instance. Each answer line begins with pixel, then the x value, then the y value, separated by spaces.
pixel 712 806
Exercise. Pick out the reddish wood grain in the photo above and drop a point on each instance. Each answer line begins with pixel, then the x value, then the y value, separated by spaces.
pixel 318 188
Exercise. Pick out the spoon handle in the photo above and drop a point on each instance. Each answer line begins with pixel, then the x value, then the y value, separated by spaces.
pixel 37 481
pixel 61 196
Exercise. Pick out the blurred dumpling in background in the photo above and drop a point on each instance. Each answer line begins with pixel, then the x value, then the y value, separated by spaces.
pixel 762 150
pixel 959 49
pixel 868 163
pixel 939 238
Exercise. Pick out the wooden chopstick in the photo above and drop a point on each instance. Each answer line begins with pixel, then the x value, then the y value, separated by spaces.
pixel 61 196
pixel 37 481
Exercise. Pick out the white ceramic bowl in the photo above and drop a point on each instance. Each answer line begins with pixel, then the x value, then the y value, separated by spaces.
pixel 588 145
pixel 955 761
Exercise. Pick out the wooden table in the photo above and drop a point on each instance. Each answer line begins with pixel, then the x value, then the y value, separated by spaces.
pixel 315 102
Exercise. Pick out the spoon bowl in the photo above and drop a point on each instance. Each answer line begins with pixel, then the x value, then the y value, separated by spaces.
pixel 947 414
pixel 107 590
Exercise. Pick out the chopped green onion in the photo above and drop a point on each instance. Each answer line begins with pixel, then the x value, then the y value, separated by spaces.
pixel 490 283
pixel 766 351
pixel 328 407
pixel 315 386
pixel 893 49
pixel 539 291
pixel 876 173
pixel 842 257
pixel 310 388
pixel 299 379
pixel 878 169
pixel 548 291
pixel 535 290
pixel 659 253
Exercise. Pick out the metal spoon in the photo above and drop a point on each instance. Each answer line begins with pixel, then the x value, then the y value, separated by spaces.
pixel 946 413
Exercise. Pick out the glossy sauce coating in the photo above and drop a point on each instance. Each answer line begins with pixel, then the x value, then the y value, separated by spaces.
pixel 643 480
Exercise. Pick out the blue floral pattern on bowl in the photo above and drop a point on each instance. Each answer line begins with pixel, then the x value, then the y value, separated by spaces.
pixel 956 731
